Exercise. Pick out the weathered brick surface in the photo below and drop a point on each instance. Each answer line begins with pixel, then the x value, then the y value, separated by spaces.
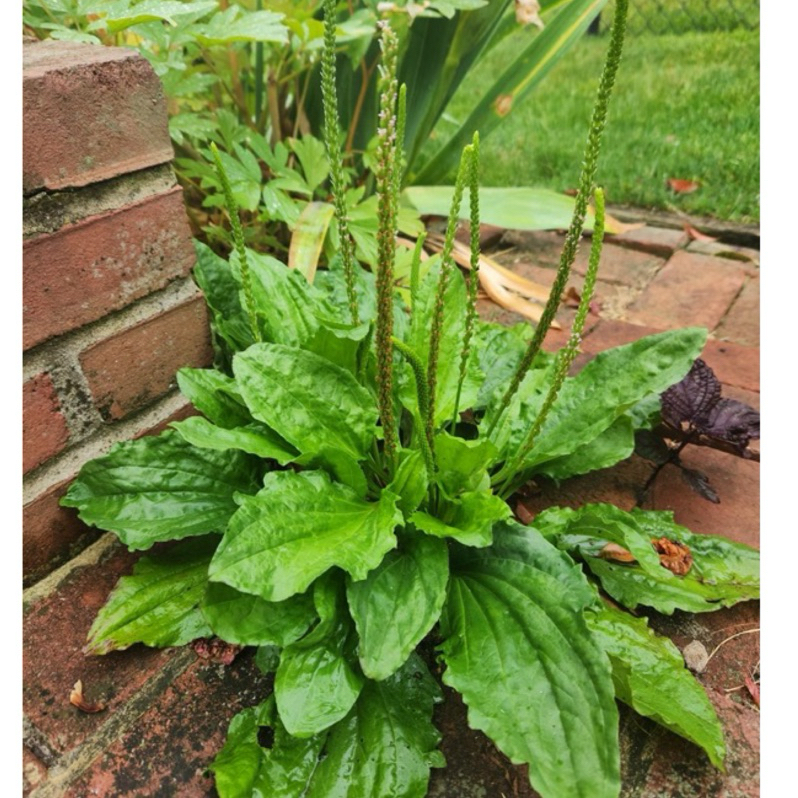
pixel 104 263
pixel 50 532
pixel 741 323
pixel 662 241
pixel 619 265
pixel 135 366
pixel 689 290
pixel 34 771
pixel 55 630
pixel 44 429
pixel 168 750
pixel 733 364
pixel 89 113
pixel 736 481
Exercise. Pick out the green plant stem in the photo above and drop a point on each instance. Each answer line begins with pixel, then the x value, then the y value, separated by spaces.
pixel 565 356
pixel 387 202
pixel 426 442
pixel 238 240
pixel 332 144
pixel 447 265
pixel 587 176
pixel 472 281
pixel 415 268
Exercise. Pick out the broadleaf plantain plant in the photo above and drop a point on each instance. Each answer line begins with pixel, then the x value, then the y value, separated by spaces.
pixel 337 509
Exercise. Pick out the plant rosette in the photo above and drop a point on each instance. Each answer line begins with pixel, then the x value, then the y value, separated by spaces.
pixel 334 506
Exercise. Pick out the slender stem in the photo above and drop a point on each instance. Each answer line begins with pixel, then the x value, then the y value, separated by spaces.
pixel 415 268
pixel 587 176
pixel 567 354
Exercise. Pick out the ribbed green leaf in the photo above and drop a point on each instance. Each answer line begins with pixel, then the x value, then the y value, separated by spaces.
pixel 461 463
pixel 451 344
pixel 650 675
pixel 158 604
pixel 215 395
pixel 518 649
pixel 161 488
pixel 520 77
pixel 723 572
pixel 611 383
pixel 396 605
pixel 410 481
pixel 387 744
pixel 306 399
pixel 120 17
pixel 296 528
pixel 254 439
pixel 384 747
pixel 248 620
pixel 468 519
pixel 316 685
pixel 616 443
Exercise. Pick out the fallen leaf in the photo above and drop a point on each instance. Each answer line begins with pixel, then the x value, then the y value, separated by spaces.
pixel 571 298
pixel 616 553
pixel 683 186
pixel 77 700
pixel 594 306
pixel 215 650
pixel 616 227
pixel 753 689
pixel 503 104
pixel 674 556
pixel 697 235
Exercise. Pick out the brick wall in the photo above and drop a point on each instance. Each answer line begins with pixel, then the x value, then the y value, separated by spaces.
pixel 109 308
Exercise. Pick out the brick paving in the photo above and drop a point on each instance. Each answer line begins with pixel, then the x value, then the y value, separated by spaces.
pixel 167 710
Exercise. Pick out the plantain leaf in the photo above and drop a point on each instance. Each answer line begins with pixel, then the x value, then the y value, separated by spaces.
pixel 468 519
pixel 387 744
pixel 215 395
pixel 651 677
pixel 161 488
pixel 396 605
pixel 306 399
pixel 722 573
pixel 315 684
pixel 158 604
pixel 248 620
pixel 296 528
pixel 535 681
pixel 307 238
pixel 254 439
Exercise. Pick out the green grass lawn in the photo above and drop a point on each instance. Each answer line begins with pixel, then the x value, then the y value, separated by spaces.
pixel 685 106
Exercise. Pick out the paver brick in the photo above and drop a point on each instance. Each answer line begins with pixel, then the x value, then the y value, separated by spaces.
pixel 44 429
pixel 690 290
pixel 168 750
pixel 103 263
pixel 741 323
pixel 50 533
pixel 136 366
pixel 661 241
pixel 90 113
pixel 619 265
pixel 733 364
pixel 54 633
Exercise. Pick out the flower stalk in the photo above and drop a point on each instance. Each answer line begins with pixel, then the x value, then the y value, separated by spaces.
pixel 332 144
pixel 589 165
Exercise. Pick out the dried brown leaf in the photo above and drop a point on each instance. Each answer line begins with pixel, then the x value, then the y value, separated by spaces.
pixel 77 700
pixel 616 553
pixel 681 186
pixel 674 556
pixel 697 235
pixel 215 650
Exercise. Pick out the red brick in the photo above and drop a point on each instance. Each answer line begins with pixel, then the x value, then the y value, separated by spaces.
pixel 733 364
pixel 34 772
pixel 609 333
pixel 722 250
pixel 169 748
pixel 662 241
pixel 741 323
pixel 736 481
pixel 689 290
pixel 44 429
pixel 136 366
pixel 54 633
pixel 50 533
pixel 90 113
pixel 619 265
pixel 103 263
